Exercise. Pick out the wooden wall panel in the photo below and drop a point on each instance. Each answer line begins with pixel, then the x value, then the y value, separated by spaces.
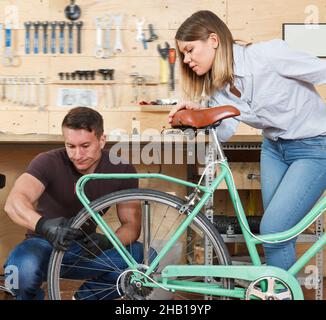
pixel 21 122
pixel 254 20
pixel 133 59
pixel 250 20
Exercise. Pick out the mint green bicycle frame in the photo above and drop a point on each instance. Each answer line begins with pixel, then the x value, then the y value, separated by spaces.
pixel 237 272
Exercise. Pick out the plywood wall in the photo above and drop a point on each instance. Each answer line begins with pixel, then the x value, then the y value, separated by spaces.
pixel 249 20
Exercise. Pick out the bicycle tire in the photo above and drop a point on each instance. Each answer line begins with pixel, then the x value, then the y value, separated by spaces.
pixel 200 224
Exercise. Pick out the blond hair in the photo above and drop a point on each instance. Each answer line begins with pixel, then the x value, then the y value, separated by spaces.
pixel 199 26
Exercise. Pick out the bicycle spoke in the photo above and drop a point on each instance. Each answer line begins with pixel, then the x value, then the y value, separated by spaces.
pixel 105 264
pixel 109 259
pixel 164 220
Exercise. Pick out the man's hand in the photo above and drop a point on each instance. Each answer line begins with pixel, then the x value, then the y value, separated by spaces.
pixel 93 245
pixel 183 105
pixel 57 232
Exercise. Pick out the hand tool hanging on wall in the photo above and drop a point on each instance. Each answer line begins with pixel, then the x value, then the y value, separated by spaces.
pixel 27 25
pixel 9 59
pixel 118 45
pixel 152 35
pixel 140 34
pixel 164 53
pixel 108 74
pixel 79 25
pixel 25 92
pixel 42 94
pixel 70 37
pixel 135 75
pixel 107 22
pixel 45 25
pixel 32 96
pixel 62 25
pixel 99 51
pixel 172 58
pixel 72 12
pixel 139 81
pixel 36 36
pixel 53 37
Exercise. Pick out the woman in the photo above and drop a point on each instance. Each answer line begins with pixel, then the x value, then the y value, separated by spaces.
pixel 273 87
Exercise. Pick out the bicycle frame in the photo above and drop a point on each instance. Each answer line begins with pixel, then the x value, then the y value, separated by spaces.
pixel 236 272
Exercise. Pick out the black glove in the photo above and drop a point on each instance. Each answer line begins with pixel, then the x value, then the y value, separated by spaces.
pixel 58 232
pixel 93 245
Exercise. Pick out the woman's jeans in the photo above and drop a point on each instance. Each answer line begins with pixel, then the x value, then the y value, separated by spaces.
pixel 293 177
pixel 31 259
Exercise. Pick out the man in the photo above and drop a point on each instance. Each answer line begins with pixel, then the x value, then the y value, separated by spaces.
pixel 43 200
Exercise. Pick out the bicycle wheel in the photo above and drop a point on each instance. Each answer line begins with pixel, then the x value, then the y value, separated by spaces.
pixel 163 218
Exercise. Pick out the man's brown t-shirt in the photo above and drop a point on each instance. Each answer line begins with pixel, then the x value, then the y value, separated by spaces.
pixel 59 176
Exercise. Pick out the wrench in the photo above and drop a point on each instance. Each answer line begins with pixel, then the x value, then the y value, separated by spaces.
pixel 15 90
pixel 36 36
pixel 28 25
pixel 118 44
pixel 70 27
pixel 79 25
pixel 9 59
pixel 140 34
pixel 152 35
pixel 32 92
pixel 99 51
pixel 45 37
pixel 42 95
pixel 62 36
pixel 107 49
pixel 25 95
pixel 53 36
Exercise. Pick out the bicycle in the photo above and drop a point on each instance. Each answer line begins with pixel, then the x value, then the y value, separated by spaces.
pixel 175 229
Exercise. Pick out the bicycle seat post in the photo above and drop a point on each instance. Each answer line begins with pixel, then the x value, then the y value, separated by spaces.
pixel 218 144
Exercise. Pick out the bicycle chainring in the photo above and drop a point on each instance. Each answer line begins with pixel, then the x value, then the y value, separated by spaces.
pixel 134 291
pixel 275 289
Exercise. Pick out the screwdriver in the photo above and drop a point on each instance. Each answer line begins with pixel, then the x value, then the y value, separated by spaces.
pixel 172 58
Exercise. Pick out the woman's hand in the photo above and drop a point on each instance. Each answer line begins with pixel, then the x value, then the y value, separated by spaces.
pixel 183 105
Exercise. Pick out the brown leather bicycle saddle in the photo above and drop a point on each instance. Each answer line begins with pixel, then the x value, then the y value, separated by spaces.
pixel 203 117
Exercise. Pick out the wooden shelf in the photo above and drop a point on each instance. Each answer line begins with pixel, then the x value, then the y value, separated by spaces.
pixel 83 82
pixel 33 138
pixel 156 108
pixel 96 81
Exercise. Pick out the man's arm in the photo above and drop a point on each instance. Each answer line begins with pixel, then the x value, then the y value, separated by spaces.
pixel 21 200
pixel 129 215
